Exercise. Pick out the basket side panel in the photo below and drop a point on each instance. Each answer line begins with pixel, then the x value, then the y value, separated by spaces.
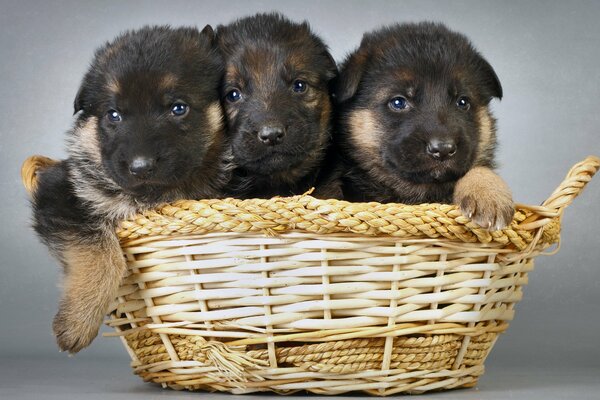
pixel 281 313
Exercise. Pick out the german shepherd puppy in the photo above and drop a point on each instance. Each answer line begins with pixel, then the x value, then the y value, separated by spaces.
pixel 415 124
pixel 149 130
pixel 277 100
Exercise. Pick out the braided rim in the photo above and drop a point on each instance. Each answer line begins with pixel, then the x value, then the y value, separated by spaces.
pixel 532 225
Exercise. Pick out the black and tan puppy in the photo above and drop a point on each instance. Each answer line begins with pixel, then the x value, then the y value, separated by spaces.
pixel 149 130
pixel 415 124
pixel 276 95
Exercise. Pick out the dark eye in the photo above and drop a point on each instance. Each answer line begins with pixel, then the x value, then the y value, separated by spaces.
pixel 114 116
pixel 299 86
pixel 179 109
pixel 398 103
pixel 463 103
pixel 233 96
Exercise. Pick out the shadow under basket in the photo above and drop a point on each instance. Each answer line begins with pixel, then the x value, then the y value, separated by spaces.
pixel 327 296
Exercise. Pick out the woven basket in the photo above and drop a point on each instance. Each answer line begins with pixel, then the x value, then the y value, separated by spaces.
pixel 327 296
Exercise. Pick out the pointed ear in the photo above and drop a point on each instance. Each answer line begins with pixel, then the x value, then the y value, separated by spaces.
pixel 79 102
pixel 332 70
pixel 350 76
pixel 490 80
pixel 332 74
pixel 209 33
pixel 305 25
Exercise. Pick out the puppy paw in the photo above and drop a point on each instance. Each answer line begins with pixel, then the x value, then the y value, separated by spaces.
pixel 488 211
pixel 74 330
pixel 485 198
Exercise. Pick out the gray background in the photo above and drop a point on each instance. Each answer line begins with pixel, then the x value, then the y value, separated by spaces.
pixel 547 55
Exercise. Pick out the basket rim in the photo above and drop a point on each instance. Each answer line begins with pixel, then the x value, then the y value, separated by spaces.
pixel 531 226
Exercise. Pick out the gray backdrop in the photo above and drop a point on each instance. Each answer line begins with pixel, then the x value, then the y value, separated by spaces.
pixel 545 53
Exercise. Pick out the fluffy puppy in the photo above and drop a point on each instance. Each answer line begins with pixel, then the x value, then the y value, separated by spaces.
pixel 148 130
pixel 276 96
pixel 415 124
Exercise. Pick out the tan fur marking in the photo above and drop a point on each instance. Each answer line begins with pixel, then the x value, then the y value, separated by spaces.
pixel 214 115
pixel 231 111
pixel 93 274
pixel 485 130
pixel 113 86
pixel 313 98
pixel 232 74
pixel 88 137
pixel 297 59
pixel 168 81
pixel 403 74
pixel 364 132
pixel 485 198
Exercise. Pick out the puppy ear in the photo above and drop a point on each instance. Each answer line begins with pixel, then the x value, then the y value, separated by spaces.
pixel 209 33
pixel 350 75
pixel 490 80
pixel 332 70
pixel 79 102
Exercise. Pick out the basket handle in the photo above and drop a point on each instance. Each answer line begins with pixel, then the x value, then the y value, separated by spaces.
pixel 577 177
pixel 30 168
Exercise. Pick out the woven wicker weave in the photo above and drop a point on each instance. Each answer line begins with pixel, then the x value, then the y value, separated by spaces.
pixel 327 296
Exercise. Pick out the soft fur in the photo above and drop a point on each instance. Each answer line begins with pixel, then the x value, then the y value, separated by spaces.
pixel 446 86
pixel 266 55
pixel 141 74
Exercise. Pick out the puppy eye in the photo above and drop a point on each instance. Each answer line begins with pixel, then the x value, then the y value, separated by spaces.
pixel 233 96
pixel 299 86
pixel 398 103
pixel 463 103
pixel 113 116
pixel 179 109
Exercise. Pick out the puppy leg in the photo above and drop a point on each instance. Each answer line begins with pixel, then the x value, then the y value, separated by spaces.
pixel 93 272
pixel 485 198
pixel 89 251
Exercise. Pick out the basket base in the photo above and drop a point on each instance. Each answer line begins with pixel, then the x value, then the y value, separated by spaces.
pixel 404 386
pixel 418 364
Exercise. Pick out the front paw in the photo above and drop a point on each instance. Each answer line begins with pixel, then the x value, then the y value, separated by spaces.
pixel 492 211
pixel 74 328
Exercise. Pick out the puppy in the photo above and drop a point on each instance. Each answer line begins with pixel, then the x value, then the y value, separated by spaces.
pixel 149 129
pixel 276 96
pixel 415 124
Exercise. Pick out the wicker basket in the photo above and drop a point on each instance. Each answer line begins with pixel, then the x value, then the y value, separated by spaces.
pixel 327 296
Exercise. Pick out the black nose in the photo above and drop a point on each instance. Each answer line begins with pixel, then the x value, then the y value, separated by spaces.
pixel 271 135
pixel 441 149
pixel 142 167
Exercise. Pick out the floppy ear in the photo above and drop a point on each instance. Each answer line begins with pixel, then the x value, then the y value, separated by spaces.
pixel 350 75
pixel 490 80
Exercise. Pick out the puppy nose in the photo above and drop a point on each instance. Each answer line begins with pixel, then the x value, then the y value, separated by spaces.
pixel 271 135
pixel 441 149
pixel 141 167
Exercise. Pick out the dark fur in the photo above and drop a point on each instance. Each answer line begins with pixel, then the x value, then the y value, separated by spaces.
pixel 78 201
pixel 265 54
pixel 385 149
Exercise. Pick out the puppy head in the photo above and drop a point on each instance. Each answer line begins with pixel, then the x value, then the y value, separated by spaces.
pixel 414 102
pixel 152 96
pixel 276 94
